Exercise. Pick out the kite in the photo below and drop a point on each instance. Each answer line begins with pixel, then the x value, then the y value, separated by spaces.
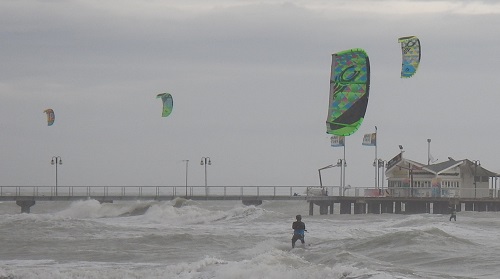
pixel 168 103
pixel 50 116
pixel 410 47
pixel 349 86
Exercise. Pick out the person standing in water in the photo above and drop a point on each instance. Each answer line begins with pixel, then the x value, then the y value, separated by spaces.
pixel 298 230
pixel 453 214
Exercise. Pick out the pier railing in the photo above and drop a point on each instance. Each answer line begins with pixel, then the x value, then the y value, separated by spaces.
pixel 291 192
pixel 46 192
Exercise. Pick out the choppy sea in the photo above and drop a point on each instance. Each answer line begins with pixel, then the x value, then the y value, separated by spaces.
pixel 225 239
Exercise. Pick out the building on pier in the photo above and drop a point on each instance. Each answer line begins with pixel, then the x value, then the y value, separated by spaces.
pixel 450 179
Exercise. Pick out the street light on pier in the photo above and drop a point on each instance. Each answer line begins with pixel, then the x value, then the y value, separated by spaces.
pixel 476 163
pixel 56 160
pixel 343 165
pixel 187 162
pixel 381 164
pixel 339 164
pixel 205 161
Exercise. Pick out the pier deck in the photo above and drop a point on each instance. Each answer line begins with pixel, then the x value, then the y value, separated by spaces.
pixel 27 196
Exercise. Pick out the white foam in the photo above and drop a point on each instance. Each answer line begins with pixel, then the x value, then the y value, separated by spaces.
pixel 193 214
pixel 95 209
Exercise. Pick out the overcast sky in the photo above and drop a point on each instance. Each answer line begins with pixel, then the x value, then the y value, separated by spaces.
pixel 250 83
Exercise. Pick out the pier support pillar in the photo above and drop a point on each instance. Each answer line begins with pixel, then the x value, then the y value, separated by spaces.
pixel 397 207
pixel 440 208
pixel 469 206
pixel 331 207
pixel 387 207
pixel 345 207
pixel 251 202
pixel 359 208
pixel 25 205
pixel 479 206
pixel 311 208
pixel 493 206
pixel 323 208
pixel 489 206
pixel 374 207
pixel 415 207
pixel 105 201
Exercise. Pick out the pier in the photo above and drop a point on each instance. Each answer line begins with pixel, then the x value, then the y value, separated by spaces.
pixel 400 205
pixel 351 203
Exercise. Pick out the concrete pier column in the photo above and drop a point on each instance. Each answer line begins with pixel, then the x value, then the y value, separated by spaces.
pixel 387 207
pixel 25 205
pixel 331 207
pixel 409 207
pixel 458 206
pixel 374 207
pixel 479 206
pixel 490 207
pixel 436 208
pixel 397 207
pixel 469 206
pixel 101 201
pixel 323 208
pixel 440 208
pixel 359 208
pixel 423 206
pixel 345 207
pixel 311 208
pixel 494 206
pixel 415 207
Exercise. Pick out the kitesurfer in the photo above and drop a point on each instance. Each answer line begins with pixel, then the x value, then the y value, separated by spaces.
pixel 298 230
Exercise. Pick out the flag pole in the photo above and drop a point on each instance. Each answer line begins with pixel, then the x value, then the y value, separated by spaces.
pixel 343 168
pixel 376 161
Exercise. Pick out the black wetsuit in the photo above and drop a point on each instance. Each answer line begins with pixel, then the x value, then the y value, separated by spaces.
pixel 298 232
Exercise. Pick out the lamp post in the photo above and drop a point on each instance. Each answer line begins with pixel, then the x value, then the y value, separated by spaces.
pixel 205 161
pixel 339 164
pixel 187 162
pixel 381 164
pixel 56 160
pixel 428 151
pixel 476 163
pixel 343 164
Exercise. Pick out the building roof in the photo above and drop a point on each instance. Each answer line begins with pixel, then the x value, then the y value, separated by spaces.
pixel 479 170
pixel 439 168
pixel 443 166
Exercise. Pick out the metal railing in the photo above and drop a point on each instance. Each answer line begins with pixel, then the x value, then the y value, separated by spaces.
pixel 153 191
pixel 292 192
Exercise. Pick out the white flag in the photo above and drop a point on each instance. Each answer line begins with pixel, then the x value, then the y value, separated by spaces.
pixel 370 139
pixel 337 141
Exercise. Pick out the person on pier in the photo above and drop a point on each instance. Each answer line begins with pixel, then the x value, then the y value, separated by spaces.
pixel 299 228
